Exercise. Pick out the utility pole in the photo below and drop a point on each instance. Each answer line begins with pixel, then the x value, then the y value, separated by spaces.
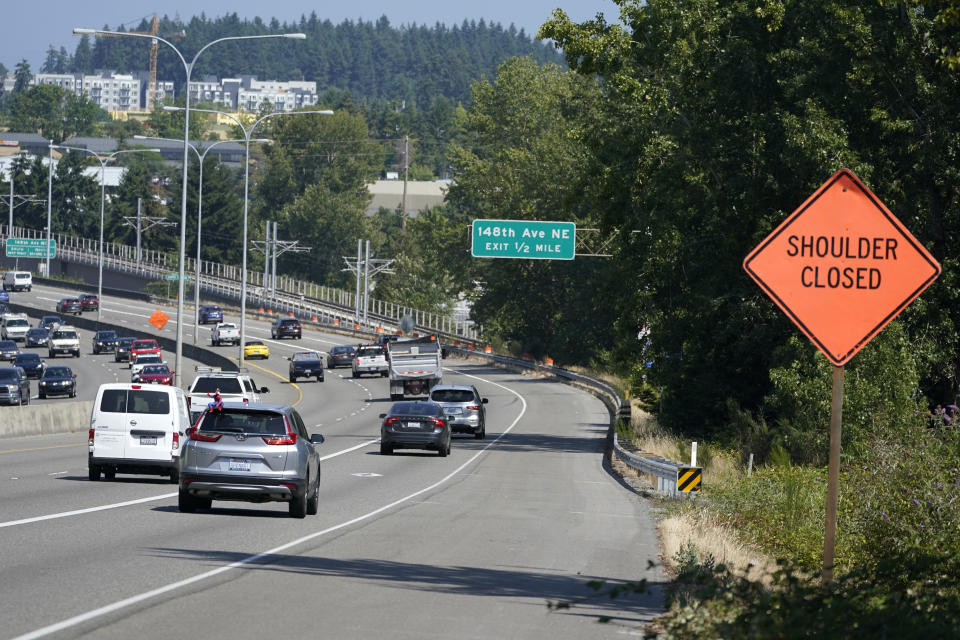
pixel 367 268
pixel 273 265
pixel 279 247
pixel 266 263
pixel 406 171
pixel 143 224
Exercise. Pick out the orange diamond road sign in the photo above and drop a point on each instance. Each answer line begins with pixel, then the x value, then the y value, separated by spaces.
pixel 159 319
pixel 841 267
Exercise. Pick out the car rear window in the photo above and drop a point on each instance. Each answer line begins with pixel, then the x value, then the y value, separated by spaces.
pixel 370 351
pixel 135 401
pixel 414 409
pixel 242 421
pixel 145 344
pixel 452 395
pixel 209 385
pixel 65 335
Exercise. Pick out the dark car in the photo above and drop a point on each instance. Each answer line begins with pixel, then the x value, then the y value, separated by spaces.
pixel 89 301
pixel 306 364
pixel 251 453
pixel 47 322
pixel 122 354
pixel 58 380
pixel 415 425
pixel 37 337
pixel 104 341
pixel 14 386
pixel 286 328
pixel 30 363
pixel 340 356
pixel 8 350
pixel 69 305
pixel 210 313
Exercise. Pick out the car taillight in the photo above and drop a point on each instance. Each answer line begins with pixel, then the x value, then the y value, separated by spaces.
pixel 136 386
pixel 358 362
pixel 290 438
pixel 473 407
pixel 203 437
pixel 188 403
pixel 90 437
pixel 246 400
pixel 176 441
pixel 438 423
pixel 391 421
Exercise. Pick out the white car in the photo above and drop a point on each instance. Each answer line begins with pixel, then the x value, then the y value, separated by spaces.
pixel 136 429
pixel 64 339
pixel 234 386
pixel 15 327
pixel 225 332
pixel 17 281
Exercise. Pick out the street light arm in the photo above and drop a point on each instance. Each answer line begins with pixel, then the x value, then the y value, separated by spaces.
pixel 293 36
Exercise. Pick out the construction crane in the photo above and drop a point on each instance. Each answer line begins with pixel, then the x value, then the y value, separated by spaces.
pixel 154 45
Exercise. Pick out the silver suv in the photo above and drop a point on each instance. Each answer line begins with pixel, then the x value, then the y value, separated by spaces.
pixel 251 453
pixel 463 407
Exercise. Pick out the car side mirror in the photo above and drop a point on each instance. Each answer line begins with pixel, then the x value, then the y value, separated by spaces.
pixel 264 390
pixel 286 357
pixel 316 438
pixel 484 401
pixel 382 416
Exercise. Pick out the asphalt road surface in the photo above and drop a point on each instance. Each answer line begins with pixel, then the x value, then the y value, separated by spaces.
pixel 405 546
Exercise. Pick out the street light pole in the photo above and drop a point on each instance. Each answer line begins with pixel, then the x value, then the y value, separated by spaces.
pixel 188 69
pixel 247 132
pixel 196 276
pixel 103 192
pixel 49 205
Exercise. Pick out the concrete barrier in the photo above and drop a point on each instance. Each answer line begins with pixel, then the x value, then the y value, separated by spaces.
pixel 45 419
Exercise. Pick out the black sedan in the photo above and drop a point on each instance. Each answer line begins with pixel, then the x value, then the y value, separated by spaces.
pixel 104 341
pixel 415 425
pixel 30 363
pixel 70 305
pixel 8 350
pixel 305 364
pixel 37 337
pixel 341 356
pixel 58 380
pixel 122 354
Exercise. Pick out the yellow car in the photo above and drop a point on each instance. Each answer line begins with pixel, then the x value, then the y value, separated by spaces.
pixel 255 349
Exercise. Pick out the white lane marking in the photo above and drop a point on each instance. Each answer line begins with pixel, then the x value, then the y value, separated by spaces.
pixel 54 516
pixel 174 586
pixel 367 474
pixel 353 448
pixel 57 473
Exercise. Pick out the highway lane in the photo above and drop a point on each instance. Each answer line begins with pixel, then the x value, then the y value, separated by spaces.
pixel 468 546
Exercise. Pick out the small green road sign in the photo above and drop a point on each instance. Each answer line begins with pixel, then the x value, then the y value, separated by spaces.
pixel 173 277
pixel 30 248
pixel 523 239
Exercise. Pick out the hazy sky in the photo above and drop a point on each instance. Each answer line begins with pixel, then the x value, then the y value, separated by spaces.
pixel 30 26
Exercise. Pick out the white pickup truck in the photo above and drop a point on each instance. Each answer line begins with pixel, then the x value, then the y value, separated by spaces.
pixel 234 386
pixel 370 358
pixel 225 332
pixel 15 327
pixel 64 340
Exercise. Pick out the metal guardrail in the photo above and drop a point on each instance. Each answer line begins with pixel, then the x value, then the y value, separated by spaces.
pixel 304 299
pixel 663 469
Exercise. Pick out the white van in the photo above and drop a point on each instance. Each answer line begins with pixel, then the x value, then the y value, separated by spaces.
pixel 136 429
pixel 17 281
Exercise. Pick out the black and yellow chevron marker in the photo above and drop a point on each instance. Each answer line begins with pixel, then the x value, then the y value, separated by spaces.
pixel 688 478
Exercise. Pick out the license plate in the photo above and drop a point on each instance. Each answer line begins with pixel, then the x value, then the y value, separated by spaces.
pixel 306 371
pixel 239 465
pixel 453 411
pixel 148 440
pixel 413 425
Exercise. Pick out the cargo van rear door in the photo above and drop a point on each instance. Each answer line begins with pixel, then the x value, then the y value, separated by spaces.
pixel 110 424
pixel 151 420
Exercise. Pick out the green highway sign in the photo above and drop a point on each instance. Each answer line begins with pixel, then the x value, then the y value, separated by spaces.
pixel 173 277
pixel 523 239
pixel 30 248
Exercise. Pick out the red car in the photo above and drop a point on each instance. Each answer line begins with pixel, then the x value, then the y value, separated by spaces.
pixel 156 374
pixel 89 301
pixel 144 346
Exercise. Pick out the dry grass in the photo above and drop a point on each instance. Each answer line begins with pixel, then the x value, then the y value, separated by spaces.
pixel 696 527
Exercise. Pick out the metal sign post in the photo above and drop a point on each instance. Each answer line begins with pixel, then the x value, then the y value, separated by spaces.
pixel 833 473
